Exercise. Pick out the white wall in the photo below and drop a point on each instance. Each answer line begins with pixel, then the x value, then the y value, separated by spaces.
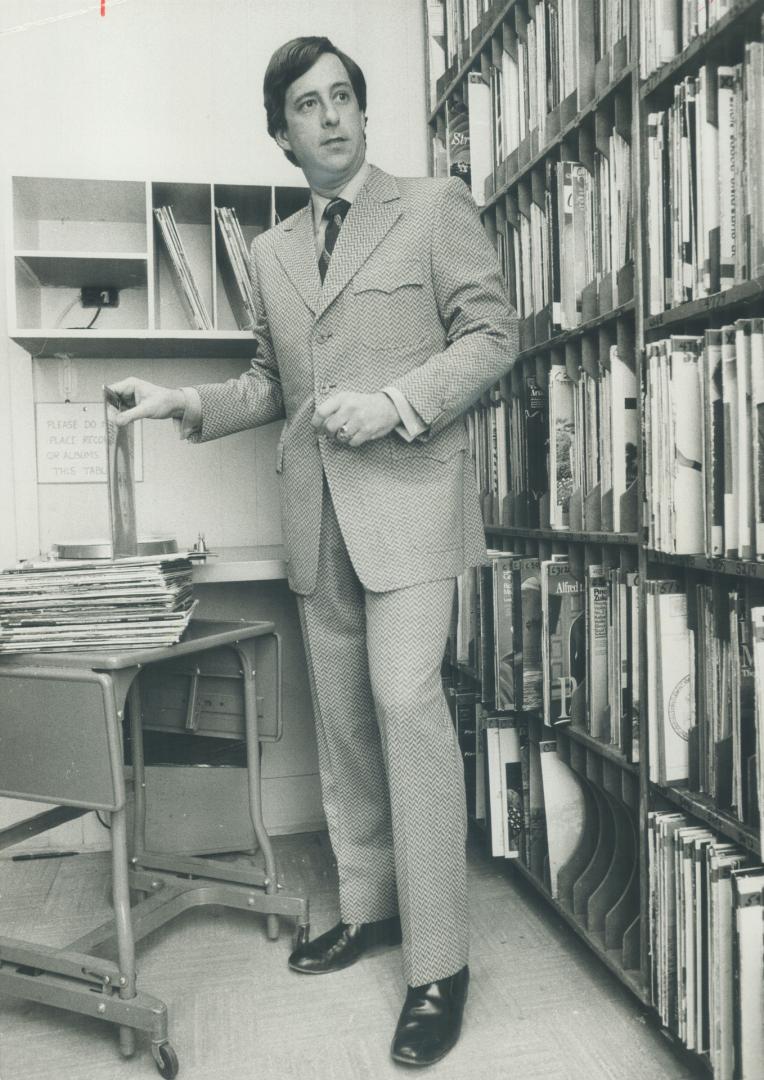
pixel 169 90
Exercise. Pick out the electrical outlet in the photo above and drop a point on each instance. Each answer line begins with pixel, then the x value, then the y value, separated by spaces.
pixel 99 296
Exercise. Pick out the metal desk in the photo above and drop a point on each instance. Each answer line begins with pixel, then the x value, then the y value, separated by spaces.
pixel 61 742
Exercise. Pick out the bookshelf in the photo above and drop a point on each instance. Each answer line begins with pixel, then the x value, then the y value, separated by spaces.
pixel 68 233
pixel 597 100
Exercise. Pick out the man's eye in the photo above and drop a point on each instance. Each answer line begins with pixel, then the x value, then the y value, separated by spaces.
pixel 307 104
pixel 342 95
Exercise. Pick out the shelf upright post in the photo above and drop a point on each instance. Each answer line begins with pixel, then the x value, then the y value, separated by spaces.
pixel 150 260
pixel 214 258
pixel 638 189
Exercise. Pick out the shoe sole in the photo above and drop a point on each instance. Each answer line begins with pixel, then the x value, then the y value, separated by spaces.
pixel 423 1064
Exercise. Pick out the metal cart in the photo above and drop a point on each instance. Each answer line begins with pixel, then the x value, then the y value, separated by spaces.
pixel 61 742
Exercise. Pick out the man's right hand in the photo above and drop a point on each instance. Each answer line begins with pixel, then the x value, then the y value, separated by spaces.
pixel 149 402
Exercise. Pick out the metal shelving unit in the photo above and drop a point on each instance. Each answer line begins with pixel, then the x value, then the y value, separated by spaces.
pixel 621 316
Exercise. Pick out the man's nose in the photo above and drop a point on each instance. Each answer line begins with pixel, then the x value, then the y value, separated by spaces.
pixel 331 116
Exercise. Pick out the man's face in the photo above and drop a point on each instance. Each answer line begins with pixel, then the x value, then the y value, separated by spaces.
pixel 324 125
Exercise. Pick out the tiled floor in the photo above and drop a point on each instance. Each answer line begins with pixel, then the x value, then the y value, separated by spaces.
pixel 540 1005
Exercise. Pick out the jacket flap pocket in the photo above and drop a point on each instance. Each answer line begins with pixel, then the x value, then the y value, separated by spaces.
pixel 388 276
pixel 444 445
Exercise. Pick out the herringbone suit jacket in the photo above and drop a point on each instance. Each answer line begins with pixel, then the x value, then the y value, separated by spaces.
pixel 413 299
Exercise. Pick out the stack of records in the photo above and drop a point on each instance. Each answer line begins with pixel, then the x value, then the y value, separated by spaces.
pixel 70 606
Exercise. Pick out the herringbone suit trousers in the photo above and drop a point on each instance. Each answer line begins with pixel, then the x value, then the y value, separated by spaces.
pixel 391 773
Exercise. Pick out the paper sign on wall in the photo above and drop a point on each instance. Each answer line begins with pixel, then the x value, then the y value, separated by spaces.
pixel 71 444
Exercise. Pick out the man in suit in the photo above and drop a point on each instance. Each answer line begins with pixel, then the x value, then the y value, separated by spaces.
pixel 381 318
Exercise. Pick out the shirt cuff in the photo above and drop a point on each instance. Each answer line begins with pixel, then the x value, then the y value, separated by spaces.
pixel 411 423
pixel 190 423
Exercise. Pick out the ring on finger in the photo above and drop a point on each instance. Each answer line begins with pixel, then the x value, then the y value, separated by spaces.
pixel 343 435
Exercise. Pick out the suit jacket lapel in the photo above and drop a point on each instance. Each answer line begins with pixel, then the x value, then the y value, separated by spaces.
pixel 373 213
pixel 296 251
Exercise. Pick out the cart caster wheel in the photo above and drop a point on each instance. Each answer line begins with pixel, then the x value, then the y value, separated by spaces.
pixel 272 927
pixel 166 1060
pixel 301 936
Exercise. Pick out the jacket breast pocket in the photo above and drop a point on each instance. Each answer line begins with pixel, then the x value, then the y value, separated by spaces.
pixel 389 308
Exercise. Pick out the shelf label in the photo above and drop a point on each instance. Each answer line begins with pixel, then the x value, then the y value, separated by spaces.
pixel 71 443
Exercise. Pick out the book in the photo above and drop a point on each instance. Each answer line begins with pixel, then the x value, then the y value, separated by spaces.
pixel 563 449
pixel 748 970
pixel 504 609
pixel 674 445
pixel 463 706
pixel 535 407
pixel 686 465
pixel 671 682
pixel 668 27
pixel 597 639
pixel 528 620
pixel 537 841
pixel 563 642
pixel 486 652
pixel 757 433
pixel 634 660
pixel 458 141
pixel 621 448
pixel 713 442
pixel 564 809
pixel 656 212
pixel 757 621
pixel 693 920
pixel 512 791
pixel 744 439
pixel 730 402
pixel 482 795
pixel 494 794
pixel 704 206
pixel 480 138
pixel 503 787
pixel 721 860
pixel 728 88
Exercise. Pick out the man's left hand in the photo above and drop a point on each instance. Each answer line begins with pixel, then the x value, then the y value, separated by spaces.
pixel 353 419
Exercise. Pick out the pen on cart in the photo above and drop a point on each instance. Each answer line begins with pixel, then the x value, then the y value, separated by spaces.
pixel 32 855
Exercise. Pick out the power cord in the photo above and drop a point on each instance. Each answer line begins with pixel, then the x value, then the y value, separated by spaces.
pixel 66 311
pixel 92 321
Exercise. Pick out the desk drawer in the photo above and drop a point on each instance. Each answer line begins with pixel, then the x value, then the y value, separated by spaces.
pixel 204 694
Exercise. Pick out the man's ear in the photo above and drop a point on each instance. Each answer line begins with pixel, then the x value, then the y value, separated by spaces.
pixel 282 140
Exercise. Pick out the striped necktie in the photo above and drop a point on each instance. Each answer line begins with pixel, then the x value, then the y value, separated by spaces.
pixel 334 213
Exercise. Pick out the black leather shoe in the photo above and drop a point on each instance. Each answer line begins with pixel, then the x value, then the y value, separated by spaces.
pixel 431 1020
pixel 345 943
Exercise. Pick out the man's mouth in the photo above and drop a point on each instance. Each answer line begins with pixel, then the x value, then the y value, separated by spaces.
pixel 334 139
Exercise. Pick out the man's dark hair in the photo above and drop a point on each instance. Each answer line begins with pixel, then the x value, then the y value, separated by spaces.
pixel 288 63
